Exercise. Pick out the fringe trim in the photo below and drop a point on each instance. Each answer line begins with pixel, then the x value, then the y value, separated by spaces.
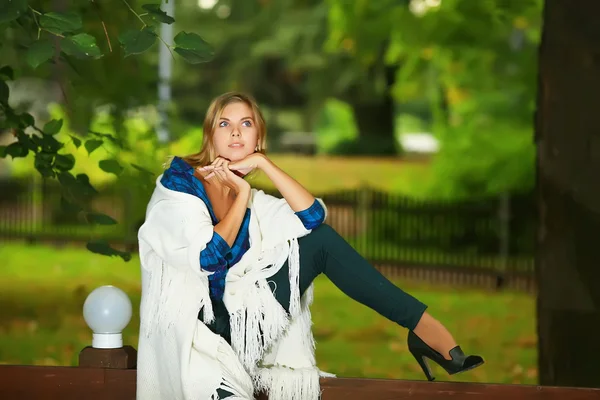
pixel 256 327
pixel 263 323
pixel 152 299
pixel 305 325
pixel 324 374
pixel 294 265
pixel 235 379
pixel 208 315
pixel 284 383
pixel 162 310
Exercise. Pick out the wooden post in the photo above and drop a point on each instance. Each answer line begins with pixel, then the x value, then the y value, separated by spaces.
pixel 504 225
pixel 121 358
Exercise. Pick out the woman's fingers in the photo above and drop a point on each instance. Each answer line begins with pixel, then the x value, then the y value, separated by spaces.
pixel 219 170
pixel 225 171
pixel 213 167
pixel 209 168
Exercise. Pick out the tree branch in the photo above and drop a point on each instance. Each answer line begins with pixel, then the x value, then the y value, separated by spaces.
pixel 97 9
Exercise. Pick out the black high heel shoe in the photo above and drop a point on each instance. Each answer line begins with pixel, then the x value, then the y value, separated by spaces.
pixel 459 362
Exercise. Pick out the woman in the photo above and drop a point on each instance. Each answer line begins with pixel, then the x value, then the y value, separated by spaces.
pixel 227 275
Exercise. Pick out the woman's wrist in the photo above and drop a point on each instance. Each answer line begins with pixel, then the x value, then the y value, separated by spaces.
pixel 262 161
pixel 244 190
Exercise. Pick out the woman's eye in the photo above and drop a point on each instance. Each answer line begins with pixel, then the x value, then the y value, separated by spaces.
pixel 247 123
pixel 223 124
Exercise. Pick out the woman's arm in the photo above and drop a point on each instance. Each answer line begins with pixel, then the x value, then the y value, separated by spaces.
pixel 294 193
pixel 229 226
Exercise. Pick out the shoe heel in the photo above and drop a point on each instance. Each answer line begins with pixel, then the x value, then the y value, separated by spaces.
pixel 424 366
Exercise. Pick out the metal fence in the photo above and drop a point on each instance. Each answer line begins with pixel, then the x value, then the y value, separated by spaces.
pixel 487 242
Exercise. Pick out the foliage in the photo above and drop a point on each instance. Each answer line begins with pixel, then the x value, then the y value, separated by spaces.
pixel 45 33
pixel 478 161
pixel 335 126
pixel 472 64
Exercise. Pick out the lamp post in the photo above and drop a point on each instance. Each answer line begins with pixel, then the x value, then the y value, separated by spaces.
pixel 165 64
pixel 107 311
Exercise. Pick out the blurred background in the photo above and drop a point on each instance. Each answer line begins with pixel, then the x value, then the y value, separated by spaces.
pixel 412 119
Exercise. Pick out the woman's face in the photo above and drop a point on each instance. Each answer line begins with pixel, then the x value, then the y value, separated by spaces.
pixel 235 135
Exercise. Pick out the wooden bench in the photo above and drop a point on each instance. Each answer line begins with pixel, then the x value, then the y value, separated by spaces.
pixel 83 383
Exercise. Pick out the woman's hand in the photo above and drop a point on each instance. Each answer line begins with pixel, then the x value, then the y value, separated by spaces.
pixel 219 169
pixel 249 163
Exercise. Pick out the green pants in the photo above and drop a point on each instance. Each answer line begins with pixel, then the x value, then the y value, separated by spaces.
pixel 324 251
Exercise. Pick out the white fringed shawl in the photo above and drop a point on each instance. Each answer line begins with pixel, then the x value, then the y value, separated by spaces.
pixel 178 356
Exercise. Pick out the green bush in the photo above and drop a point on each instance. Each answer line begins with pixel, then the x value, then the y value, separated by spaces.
pixel 140 147
pixel 335 127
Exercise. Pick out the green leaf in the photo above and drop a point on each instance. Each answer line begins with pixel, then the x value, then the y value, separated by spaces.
pixel 53 127
pixel 16 150
pixel 66 179
pixel 4 92
pixel 68 206
pixel 46 172
pixel 6 73
pixel 142 170
pixel 193 48
pixel 100 219
pixel 64 162
pixel 103 248
pixel 61 23
pixel 111 166
pixel 2 151
pixel 157 14
pixel 27 120
pixel 84 181
pixel 92 144
pixel 81 46
pixel 43 163
pixel 12 120
pixel 113 139
pixel 12 9
pixel 135 41
pixel 49 144
pixel 76 141
pixel 27 141
pixel 39 52
pixel 78 186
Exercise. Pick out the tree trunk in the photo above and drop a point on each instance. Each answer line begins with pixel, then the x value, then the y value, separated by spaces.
pixel 375 120
pixel 568 162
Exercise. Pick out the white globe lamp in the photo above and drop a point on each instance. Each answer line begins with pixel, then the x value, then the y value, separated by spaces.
pixel 107 311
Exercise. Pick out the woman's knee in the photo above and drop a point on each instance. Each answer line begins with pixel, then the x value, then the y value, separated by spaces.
pixel 324 230
pixel 321 236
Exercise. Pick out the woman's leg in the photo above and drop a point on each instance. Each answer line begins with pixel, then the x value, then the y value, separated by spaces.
pixel 223 394
pixel 325 251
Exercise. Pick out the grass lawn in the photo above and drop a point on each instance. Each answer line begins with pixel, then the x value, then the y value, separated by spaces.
pixel 325 174
pixel 42 290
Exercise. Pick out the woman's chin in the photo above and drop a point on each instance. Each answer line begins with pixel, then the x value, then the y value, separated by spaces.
pixel 234 156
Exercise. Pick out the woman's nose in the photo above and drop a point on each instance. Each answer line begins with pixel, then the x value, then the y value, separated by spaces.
pixel 236 132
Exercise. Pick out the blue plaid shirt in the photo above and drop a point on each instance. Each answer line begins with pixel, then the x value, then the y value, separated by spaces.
pixel 217 257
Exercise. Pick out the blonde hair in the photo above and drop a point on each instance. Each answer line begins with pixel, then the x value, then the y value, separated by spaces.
pixel 207 152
